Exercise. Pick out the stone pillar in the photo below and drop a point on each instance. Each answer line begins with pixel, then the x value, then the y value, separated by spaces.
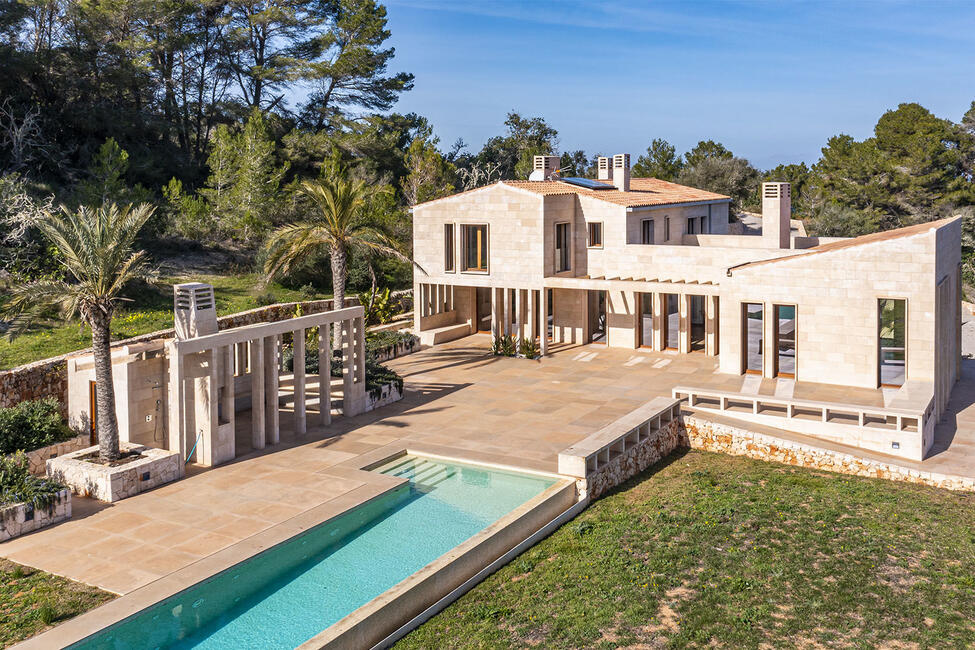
pixel 325 373
pixel 228 405
pixel 519 317
pixel 256 350
pixel 712 326
pixel 684 306
pixel 531 313
pixel 658 321
pixel 272 428
pixel 177 422
pixel 360 351
pixel 506 310
pixel 417 306
pixel 543 320
pixel 496 329
pixel 348 368
pixel 298 379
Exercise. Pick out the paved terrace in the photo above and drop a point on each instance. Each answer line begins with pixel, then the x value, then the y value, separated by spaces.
pixel 460 402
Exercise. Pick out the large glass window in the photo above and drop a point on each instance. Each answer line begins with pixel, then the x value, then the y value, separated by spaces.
pixel 646 231
pixel 697 322
pixel 785 341
pixel 752 333
pixel 475 248
pixel 892 341
pixel 646 320
pixel 448 247
pixel 597 316
pixel 561 247
pixel 671 321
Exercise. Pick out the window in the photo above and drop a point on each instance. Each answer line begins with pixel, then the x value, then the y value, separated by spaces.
pixel 785 341
pixel 703 229
pixel 666 228
pixel 892 341
pixel 646 228
pixel 671 321
pixel 646 320
pixel 751 314
pixel 448 247
pixel 595 235
pixel 561 247
pixel 475 248
pixel 691 228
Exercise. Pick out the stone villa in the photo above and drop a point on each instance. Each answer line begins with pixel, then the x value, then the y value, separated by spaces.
pixel 643 263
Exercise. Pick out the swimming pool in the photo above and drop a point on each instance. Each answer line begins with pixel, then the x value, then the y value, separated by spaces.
pixel 293 591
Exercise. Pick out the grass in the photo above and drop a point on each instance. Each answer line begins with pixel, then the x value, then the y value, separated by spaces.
pixel 32 600
pixel 708 549
pixel 151 310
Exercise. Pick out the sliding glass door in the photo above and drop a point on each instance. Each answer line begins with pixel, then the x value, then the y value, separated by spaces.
pixel 752 335
pixel 785 341
pixel 671 321
pixel 892 341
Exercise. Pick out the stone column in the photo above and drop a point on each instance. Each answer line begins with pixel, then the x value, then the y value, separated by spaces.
pixel 684 306
pixel 229 396
pixel 658 321
pixel 519 317
pixel 506 309
pixel 543 320
pixel 256 349
pixel 360 350
pixel 177 422
pixel 272 426
pixel 711 321
pixel 495 313
pixel 348 369
pixel 530 314
pixel 325 374
pixel 298 379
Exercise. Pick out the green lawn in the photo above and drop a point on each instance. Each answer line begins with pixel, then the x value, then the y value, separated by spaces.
pixel 151 310
pixel 31 601
pixel 712 549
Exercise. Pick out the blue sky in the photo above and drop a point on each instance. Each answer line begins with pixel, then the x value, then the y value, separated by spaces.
pixel 770 80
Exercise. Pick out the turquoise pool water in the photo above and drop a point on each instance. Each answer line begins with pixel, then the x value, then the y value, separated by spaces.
pixel 288 594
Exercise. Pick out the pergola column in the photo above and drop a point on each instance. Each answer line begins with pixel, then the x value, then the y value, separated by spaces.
pixel 298 338
pixel 272 427
pixel 325 374
pixel 360 351
pixel 659 306
pixel 543 321
pixel 496 329
pixel 256 350
pixel 531 314
pixel 348 370
pixel 712 326
pixel 684 307
pixel 519 317
pixel 177 423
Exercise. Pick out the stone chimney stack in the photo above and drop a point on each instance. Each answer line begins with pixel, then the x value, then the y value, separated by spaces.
pixel 621 171
pixel 776 215
pixel 604 167
pixel 543 167
pixel 195 310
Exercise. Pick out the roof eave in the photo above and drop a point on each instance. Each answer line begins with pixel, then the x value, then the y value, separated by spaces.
pixel 682 204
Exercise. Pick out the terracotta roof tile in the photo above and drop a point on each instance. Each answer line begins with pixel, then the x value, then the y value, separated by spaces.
pixel 873 238
pixel 643 192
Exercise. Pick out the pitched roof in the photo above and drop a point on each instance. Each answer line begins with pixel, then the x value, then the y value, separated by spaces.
pixel 873 238
pixel 643 192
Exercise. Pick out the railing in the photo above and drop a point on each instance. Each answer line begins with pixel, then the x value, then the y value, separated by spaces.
pixel 612 441
pixel 877 417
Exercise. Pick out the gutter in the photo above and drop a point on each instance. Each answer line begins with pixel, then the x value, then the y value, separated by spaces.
pixel 669 206
pixel 472 582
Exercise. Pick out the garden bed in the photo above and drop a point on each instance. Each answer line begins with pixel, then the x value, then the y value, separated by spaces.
pixel 153 467
pixel 19 519
pixel 384 395
pixel 28 502
pixel 38 458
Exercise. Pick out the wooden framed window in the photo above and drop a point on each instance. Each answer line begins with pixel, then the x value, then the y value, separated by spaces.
pixel 475 248
pixel 562 251
pixel 646 320
pixel 646 231
pixel 595 235
pixel 892 341
pixel 448 247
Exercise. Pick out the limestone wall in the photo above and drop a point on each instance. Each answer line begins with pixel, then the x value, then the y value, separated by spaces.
pixel 37 459
pixel 19 519
pixel 704 434
pixel 661 443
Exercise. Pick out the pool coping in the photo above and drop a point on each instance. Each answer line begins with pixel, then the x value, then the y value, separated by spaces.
pixel 375 486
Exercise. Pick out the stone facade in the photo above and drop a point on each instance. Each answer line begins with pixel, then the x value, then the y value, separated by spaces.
pixel 38 458
pixel 660 444
pixel 19 518
pixel 110 484
pixel 388 394
pixel 704 434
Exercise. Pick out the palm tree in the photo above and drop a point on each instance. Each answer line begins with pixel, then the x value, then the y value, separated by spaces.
pixel 97 256
pixel 338 225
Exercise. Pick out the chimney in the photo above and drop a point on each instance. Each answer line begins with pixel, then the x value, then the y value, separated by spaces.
pixel 195 311
pixel 543 168
pixel 776 215
pixel 621 171
pixel 604 165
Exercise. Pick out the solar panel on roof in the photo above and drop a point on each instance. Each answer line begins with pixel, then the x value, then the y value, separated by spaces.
pixel 587 183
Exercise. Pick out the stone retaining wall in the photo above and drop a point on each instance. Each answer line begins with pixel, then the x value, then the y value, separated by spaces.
pixel 633 461
pixel 19 518
pixel 703 434
pixel 115 483
pixel 388 394
pixel 49 377
pixel 39 457
pixel 398 350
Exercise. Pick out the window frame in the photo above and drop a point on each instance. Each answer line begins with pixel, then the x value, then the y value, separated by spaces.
pixel 464 268
pixel 691 225
pixel 589 230
pixel 776 371
pixel 666 229
pixel 880 383
pixel 449 248
pixel 745 370
pixel 568 246
pixel 644 231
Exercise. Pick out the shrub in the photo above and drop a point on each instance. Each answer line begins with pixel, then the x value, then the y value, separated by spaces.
pixel 528 348
pixel 265 299
pixel 18 485
pixel 32 425
pixel 504 346
pixel 380 308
